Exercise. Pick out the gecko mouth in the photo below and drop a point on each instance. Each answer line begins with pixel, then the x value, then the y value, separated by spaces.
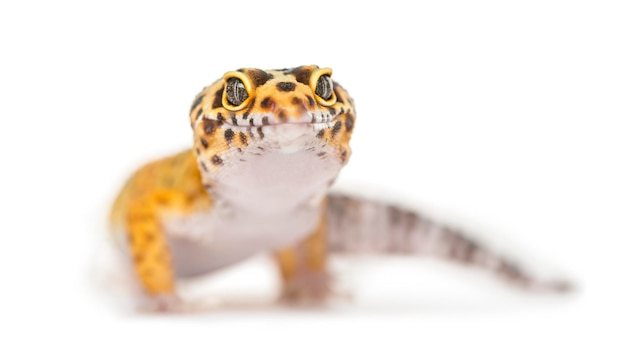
pixel 285 133
pixel 261 120
pixel 296 134
pixel 283 129
pixel 285 137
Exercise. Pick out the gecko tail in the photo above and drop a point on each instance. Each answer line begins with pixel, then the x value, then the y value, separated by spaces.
pixel 369 226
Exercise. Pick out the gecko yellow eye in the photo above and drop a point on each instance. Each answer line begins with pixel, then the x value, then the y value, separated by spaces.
pixel 322 85
pixel 237 91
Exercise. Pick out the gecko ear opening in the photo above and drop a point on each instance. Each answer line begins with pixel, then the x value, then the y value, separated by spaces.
pixel 237 91
pixel 322 86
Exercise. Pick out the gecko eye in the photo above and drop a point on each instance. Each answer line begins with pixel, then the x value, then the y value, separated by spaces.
pixel 324 87
pixel 236 92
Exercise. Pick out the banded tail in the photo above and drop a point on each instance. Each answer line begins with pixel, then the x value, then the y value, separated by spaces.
pixel 361 225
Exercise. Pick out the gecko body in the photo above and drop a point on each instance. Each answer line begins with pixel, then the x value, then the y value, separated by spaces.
pixel 268 145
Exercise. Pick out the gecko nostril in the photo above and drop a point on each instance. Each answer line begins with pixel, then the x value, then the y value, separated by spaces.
pixel 266 103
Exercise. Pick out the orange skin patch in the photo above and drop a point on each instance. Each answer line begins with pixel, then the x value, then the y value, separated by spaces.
pixel 168 186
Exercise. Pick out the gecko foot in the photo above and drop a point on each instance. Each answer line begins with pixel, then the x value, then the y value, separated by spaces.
pixel 171 303
pixel 309 289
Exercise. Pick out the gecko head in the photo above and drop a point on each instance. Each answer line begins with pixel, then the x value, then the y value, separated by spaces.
pixel 290 118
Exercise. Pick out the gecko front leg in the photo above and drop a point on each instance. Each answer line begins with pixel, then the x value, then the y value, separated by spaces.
pixel 303 268
pixel 151 257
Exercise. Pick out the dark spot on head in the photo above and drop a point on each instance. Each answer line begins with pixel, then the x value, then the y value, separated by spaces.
pixel 199 113
pixel 229 134
pixel 209 126
pixel 311 100
pixel 245 116
pixel 286 86
pixel 217 99
pixel 349 123
pixel 252 121
pixel 302 74
pixel 332 111
pixel 259 131
pixel 204 142
pixel 203 166
pixel 233 118
pixel 321 154
pixel 220 118
pixel 197 102
pixel 336 129
pixel 259 77
pixel 243 138
pixel 320 134
pixel 207 186
pixel 265 120
pixel 282 116
pixel 198 151
pixel 266 103
pixel 216 160
pixel 295 101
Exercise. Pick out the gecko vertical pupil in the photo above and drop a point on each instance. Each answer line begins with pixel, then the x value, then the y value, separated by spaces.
pixel 235 91
pixel 324 87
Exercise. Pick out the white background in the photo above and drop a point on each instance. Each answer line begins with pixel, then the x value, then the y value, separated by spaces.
pixel 505 118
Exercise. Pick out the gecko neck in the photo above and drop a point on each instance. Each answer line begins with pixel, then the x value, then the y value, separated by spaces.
pixel 275 182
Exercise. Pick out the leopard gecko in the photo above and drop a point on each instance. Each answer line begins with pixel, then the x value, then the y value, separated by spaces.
pixel 267 146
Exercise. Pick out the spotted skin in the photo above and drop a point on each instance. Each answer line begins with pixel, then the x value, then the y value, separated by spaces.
pixel 256 179
pixel 280 96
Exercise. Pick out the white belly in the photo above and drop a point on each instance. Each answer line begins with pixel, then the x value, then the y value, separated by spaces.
pixel 204 242
pixel 268 197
